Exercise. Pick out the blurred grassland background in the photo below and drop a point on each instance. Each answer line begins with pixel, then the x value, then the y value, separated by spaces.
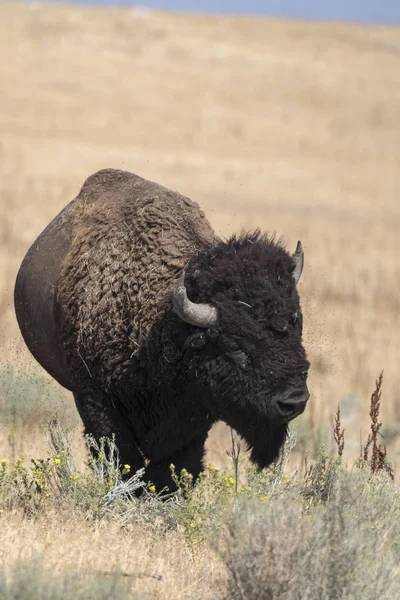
pixel 292 127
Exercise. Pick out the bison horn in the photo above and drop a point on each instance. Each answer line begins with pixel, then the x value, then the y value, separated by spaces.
pixel 200 315
pixel 298 258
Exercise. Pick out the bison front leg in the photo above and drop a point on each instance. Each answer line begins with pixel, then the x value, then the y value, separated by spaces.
pixel 101 419
pixel 190 458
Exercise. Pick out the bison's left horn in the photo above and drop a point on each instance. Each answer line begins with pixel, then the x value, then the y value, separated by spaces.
pixel 200 315
pixel 298 258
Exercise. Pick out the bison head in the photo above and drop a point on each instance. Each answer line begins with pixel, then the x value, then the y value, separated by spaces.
pixel 242 348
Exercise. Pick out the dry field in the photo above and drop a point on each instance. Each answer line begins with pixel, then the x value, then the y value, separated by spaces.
pixel 291 127
pixel 169 574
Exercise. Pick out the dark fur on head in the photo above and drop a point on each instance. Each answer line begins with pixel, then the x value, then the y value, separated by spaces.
pixel 254 353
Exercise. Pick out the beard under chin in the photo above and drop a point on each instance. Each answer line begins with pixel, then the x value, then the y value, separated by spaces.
pixel 263 437
pixel 266 443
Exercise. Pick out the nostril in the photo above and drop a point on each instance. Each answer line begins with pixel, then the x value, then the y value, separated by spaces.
pixel 294 404
pixel 287 407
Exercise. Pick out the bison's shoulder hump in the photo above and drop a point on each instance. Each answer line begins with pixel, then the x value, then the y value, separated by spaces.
pixel 108 181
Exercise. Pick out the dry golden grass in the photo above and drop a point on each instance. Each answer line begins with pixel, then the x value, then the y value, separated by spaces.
pixel 293 127
pixel 65 543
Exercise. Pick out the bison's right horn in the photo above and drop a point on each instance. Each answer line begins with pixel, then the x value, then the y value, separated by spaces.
pixel 200 315
pixel 298 258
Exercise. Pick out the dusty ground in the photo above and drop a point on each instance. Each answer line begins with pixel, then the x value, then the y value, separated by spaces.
pixel 293 127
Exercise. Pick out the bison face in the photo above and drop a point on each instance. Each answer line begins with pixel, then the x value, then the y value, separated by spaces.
pixel 244 349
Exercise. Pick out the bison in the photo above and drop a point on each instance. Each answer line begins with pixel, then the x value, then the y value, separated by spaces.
pixel 160 328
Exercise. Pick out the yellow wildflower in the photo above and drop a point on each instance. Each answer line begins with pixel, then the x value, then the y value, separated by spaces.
pixel 57 461
pixel 231 480
pixel 127 468
pixel 3 461
pixel 263 497
pixel 152 488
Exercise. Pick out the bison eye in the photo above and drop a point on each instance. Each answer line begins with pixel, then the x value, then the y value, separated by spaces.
pixel 196 341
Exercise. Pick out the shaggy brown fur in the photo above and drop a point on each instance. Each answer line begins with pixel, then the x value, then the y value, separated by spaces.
pixel 131 239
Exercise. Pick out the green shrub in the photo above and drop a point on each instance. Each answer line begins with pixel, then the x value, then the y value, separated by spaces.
pixel 56 480
pixel 344 544
pixel 197 510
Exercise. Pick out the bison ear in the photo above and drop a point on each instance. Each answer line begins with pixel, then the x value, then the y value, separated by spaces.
pixel 298 258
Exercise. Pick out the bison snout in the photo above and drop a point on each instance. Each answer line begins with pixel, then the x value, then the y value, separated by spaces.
pixel 292 406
